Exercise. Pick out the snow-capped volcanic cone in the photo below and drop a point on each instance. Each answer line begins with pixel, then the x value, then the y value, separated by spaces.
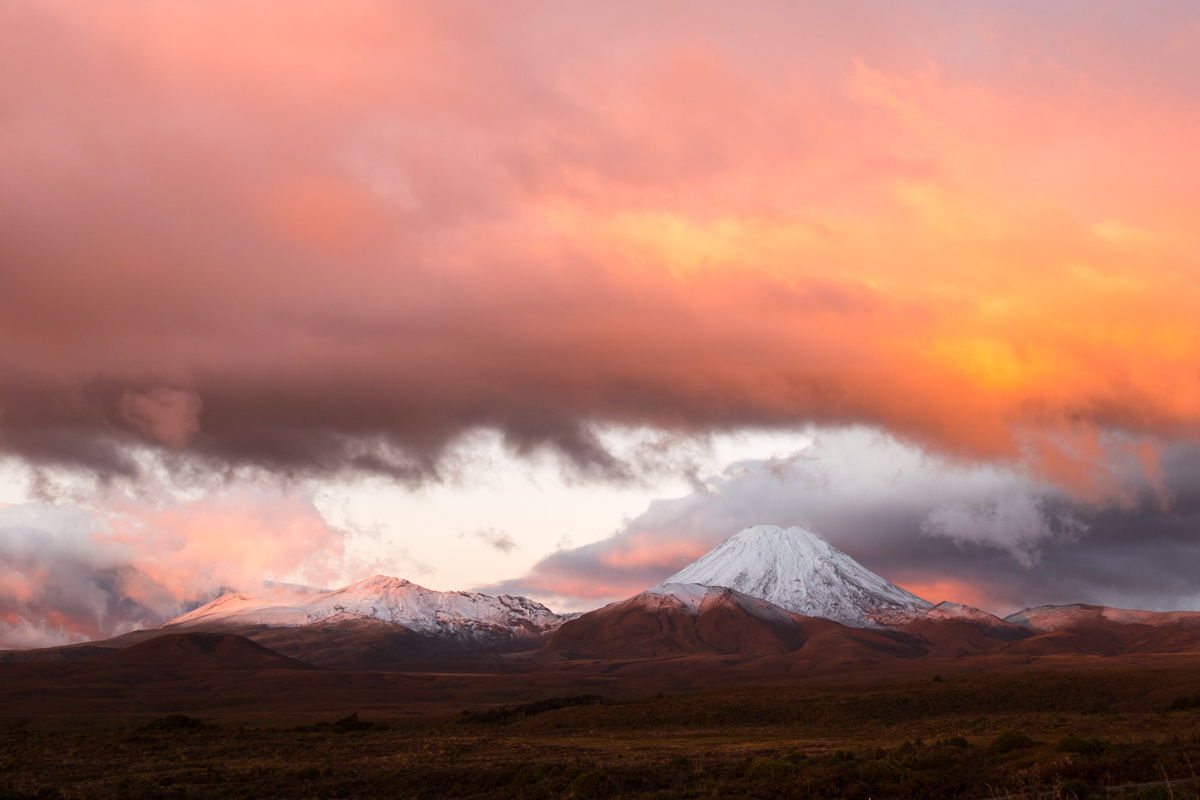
pixel 460 616
pixel 799 571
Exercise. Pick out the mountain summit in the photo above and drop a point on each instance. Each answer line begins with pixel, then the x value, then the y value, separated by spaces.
pixel 799 571
pixel 466 616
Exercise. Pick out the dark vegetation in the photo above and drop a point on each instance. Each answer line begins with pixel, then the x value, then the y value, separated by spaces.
pixel 1185 703
pixel 350 723
pixel 507 716
pixel 172 722
pixel 1063 735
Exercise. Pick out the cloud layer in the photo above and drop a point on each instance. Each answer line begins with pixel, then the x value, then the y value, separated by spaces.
pixel 72 574
pixel 309 239
pixel 353 231
pixel 973 534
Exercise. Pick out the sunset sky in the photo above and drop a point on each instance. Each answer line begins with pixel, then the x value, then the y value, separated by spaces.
pixel 549 298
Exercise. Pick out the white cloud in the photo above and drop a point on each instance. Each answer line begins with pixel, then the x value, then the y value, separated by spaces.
pixel 1017 522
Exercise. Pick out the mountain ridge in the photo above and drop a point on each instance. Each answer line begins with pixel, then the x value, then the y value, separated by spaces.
pixel 462 616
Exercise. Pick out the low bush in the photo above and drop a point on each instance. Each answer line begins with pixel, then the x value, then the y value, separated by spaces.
pixel 1185 703
pixel 593 784
pixel 1073 789
pixel 954 741
pixel 884 770
pixel 507 716
pixel 766 769
pixel 935 760
pixel 1009 741
pixel 1080 745
pixel 172 722
pixel 1150 793
pixel 504 777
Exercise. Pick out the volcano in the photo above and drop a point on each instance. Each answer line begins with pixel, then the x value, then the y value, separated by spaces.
pixel 802 573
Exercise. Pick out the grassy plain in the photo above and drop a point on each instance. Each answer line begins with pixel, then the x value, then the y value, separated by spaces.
pixel 1083 732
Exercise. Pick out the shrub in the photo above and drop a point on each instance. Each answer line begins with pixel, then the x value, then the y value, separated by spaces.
pixel 954 741
pixel 766 769
pixel 680 762
pixel 935 760
pixel 1080 745
pixel 884 770
pixel 172 722
pixel 1185 703
pixel 1150 793
pixel 307 772
pixel 350 723
pixel 353 723
pixel 1010 741
pixel 593 784
pixel 507 716
pixel 1073 789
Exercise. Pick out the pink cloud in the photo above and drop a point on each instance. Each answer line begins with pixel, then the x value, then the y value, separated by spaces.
pixel 352 232
pixel 69 574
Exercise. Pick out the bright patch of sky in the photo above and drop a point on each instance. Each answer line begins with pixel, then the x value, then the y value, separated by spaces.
pixel 501 513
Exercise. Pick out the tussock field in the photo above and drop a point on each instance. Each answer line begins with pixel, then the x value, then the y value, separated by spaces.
pixel 1130 733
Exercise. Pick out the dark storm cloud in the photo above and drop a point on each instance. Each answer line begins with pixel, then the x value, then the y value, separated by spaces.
pixel 876 499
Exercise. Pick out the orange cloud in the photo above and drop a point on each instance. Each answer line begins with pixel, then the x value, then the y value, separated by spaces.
pixel 955 591
pixel 352 232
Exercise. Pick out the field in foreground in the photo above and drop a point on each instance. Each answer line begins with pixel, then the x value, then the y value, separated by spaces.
pixel 973 736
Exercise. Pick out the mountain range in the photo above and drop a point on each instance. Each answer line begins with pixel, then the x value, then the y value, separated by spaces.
pixel 766 599
pixel 461 617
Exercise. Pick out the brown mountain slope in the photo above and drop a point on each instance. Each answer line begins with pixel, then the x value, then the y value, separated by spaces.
pixel 714 622
pixel 354 644
pixel 201 651
pixel 720 622
pixel 830 647
pixel 1109 639
pixel 952 638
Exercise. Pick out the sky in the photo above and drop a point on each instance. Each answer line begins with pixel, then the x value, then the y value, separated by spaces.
pixel 551 297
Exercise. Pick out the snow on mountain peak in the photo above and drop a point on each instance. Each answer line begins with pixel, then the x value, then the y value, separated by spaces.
pixel 1053 618
pixel 802 573
pixel 394 600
